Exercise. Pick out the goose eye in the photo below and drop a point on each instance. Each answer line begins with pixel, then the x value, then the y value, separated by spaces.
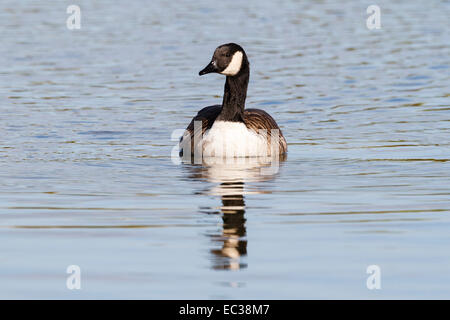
pixel 227 55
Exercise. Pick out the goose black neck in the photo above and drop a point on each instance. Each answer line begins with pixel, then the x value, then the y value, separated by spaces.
pixel 234 95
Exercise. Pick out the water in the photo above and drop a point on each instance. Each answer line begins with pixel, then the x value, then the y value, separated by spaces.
pixel 85 151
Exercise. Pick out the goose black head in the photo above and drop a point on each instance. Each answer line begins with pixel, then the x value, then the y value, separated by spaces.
pixel 228 59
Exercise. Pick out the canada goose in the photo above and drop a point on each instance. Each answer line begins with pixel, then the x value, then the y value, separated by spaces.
pixel 229 130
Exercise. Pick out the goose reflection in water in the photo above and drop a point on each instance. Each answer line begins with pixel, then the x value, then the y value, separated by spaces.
pixel 230 243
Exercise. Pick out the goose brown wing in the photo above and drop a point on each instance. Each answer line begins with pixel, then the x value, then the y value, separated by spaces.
pixel 207 116
pixel 257 119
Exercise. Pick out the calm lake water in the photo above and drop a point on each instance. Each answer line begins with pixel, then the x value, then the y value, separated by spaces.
pixel 86 176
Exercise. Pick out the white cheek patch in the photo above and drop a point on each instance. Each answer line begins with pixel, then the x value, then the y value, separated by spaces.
pixel 235 64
